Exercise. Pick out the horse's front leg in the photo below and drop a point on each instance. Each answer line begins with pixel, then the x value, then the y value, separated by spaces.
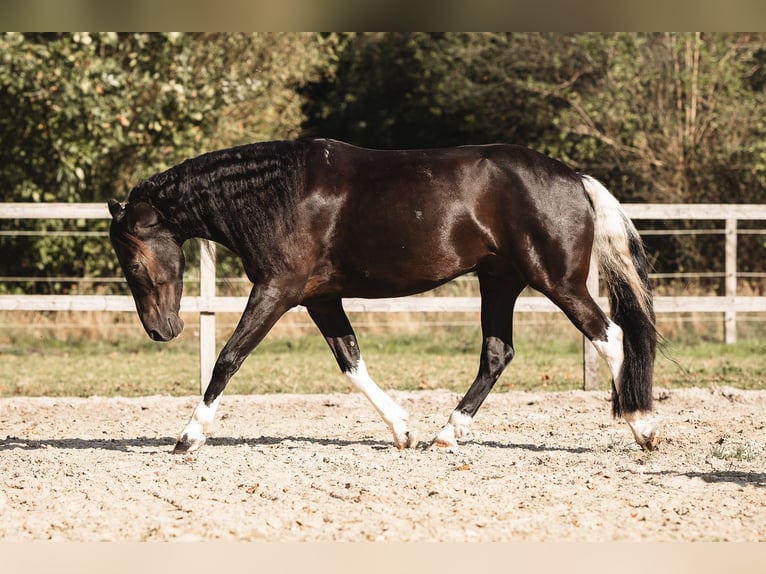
pixel 334 325
pixel 261 313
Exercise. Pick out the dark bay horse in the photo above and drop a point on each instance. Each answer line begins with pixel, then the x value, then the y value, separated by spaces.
pixel 318 220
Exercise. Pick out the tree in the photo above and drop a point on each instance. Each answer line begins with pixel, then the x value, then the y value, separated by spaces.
pixel 392 90
pixel 86 116
pixel 668 118
pixel 657 117
pixel 672 111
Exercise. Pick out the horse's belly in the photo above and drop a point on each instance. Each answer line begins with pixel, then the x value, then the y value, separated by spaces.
pixel 397 274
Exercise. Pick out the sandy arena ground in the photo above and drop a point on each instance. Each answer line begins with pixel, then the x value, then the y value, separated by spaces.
pixel 537 467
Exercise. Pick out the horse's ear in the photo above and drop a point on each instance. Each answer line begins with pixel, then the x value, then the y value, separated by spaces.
pixel 144 215
pixel 114 207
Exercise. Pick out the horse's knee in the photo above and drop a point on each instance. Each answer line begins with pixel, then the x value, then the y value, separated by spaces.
pixel 496 355
pixel 225 367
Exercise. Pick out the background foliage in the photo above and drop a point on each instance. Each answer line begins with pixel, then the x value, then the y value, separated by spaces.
pixel 87 116
pixel 658 117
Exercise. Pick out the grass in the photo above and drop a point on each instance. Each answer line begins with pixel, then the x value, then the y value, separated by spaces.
pixel 295 359
pixel 733 452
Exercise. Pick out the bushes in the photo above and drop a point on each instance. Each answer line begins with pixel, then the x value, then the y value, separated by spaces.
pixel 657 117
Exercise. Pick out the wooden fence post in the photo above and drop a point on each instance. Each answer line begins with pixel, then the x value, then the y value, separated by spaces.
pixel 207 315
pixel 590 355
pixel 730 316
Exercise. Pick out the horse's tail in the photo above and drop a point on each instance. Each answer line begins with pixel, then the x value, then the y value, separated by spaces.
pixel 622 263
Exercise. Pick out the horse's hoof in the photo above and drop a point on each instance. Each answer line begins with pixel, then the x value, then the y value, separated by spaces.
pixel 646 433
pixel 440 443
pixel 410 440
pixel 186 444
pixel 456 428
pixel 649 443
pixel 446 439
pixel 405 439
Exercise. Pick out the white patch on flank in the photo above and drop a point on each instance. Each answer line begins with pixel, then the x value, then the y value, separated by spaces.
pixel 327 156
pixel 394 415
pixel 418 214
pixel 612 351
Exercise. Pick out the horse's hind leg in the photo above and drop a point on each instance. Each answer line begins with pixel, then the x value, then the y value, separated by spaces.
pixel 611 347
pixel 334 325
pixel 498 298
pixel 607 337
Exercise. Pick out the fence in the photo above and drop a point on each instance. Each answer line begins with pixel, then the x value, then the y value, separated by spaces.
pixel 207 304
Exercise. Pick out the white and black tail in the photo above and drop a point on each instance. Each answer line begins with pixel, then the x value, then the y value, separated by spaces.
pixel 623 265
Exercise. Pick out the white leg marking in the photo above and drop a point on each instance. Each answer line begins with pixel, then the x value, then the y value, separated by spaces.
pixel 194 432
pixel 645 430
pixel 612 351
pixel 457 427
pixel 394 415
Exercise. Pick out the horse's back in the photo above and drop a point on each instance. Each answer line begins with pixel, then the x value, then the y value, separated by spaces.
pixel 465 173
pixel 471 191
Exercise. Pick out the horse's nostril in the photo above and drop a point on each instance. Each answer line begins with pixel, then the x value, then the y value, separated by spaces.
pixel 176 325
pixel 155 336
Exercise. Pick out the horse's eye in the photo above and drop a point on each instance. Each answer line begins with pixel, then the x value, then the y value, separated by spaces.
pixel 134 267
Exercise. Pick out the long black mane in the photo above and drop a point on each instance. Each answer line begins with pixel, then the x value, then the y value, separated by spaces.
pixel 233 196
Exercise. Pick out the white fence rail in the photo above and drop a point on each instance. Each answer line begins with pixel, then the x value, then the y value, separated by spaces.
pixel 207 304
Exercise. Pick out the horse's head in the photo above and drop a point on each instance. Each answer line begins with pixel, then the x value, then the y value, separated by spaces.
pixel 153 264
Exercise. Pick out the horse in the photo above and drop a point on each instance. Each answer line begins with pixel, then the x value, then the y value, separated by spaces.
pixel 316 220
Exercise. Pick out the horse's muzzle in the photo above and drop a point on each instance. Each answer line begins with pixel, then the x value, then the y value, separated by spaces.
pixel 172 328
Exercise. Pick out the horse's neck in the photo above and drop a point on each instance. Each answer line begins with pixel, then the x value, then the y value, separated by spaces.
pixel 196 217
pixel 236 197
